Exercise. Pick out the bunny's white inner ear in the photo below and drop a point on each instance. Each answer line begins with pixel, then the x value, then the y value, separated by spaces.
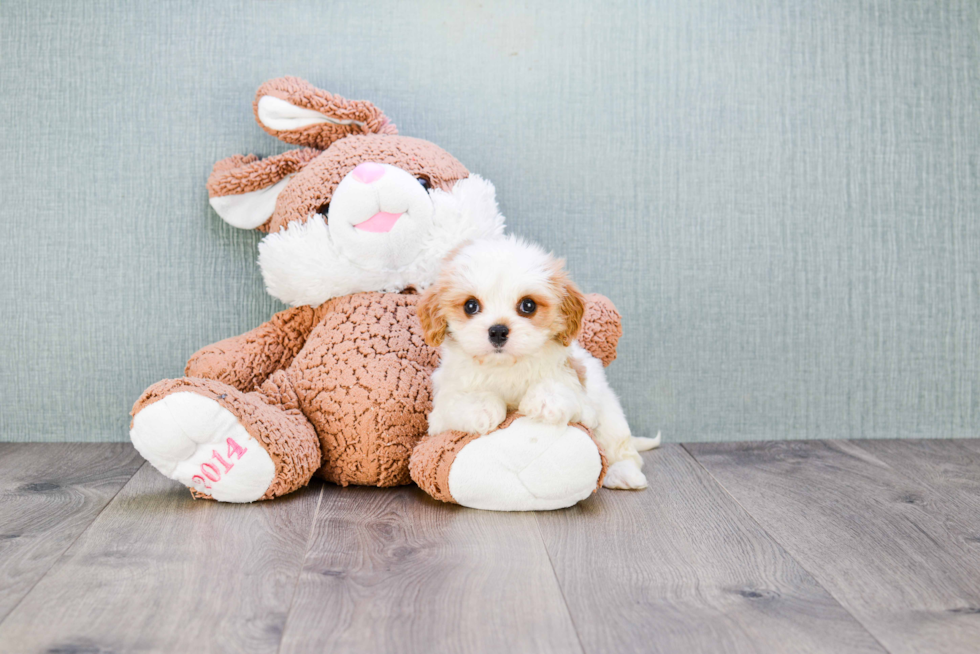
pixel 249 210
pixel 279 115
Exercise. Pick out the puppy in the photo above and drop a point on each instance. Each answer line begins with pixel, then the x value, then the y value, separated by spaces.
pixel 506 316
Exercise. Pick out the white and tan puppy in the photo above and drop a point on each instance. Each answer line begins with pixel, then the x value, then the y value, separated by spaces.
pixel 506 316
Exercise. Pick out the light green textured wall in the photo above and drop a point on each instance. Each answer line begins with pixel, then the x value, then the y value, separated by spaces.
pixel 782 197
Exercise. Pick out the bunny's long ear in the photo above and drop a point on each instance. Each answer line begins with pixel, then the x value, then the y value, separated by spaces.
pixel 295 111
pixel 243 188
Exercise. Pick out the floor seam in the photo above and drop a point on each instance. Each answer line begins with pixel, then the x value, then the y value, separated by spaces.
pixel 302 566
pixel 789 553
pixel 61 556
pixel 561 591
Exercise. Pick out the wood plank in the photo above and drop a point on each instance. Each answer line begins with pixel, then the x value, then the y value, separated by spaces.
pixel 680 567
pixel 948 468
pixel 49 494
pixel 970 443
pixel 878 539
pixel 394 571
pixel 161 572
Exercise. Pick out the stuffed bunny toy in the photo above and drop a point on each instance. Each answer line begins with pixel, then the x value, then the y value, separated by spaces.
pixel 357 220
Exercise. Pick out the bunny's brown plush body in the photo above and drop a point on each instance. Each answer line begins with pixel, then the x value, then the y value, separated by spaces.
pixel 358 221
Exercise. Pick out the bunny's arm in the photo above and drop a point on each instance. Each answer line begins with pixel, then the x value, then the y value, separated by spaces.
pixel 248 360
pixel 601 328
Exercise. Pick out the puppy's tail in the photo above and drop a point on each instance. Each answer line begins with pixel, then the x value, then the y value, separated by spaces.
pixel 642 443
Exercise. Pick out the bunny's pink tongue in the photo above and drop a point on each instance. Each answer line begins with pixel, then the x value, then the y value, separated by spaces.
pixel 379 222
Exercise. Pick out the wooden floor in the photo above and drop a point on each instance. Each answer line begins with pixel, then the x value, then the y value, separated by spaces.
pixel 820 546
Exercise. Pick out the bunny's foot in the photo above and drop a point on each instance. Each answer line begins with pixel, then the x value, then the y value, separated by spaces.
pixel 525 465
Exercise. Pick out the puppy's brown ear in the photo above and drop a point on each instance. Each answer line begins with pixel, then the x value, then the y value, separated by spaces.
pixel 571 310
pixel 434 324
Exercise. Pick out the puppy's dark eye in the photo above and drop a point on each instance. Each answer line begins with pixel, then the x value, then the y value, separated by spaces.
pixel 424 182
pixel 324 209
pixel 527 306
pixel 471 307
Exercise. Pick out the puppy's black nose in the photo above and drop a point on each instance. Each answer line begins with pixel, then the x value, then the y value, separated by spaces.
pixel 498 335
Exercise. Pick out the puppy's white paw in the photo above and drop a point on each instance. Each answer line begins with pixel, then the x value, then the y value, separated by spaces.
pixel 590 417
pixel 552 404
pixel 485 417
pixel 477 413
pixel 624 475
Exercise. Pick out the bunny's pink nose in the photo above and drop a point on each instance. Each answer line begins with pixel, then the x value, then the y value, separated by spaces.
pixel 369 172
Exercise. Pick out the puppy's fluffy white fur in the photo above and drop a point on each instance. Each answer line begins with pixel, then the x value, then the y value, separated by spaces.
pixel 538 370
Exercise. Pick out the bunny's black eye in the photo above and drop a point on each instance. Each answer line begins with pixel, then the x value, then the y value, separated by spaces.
pixel 527 306
pixel 424 182
pixel 471 307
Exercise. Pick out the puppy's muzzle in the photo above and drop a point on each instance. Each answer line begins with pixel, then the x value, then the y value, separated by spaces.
pixel 498 335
